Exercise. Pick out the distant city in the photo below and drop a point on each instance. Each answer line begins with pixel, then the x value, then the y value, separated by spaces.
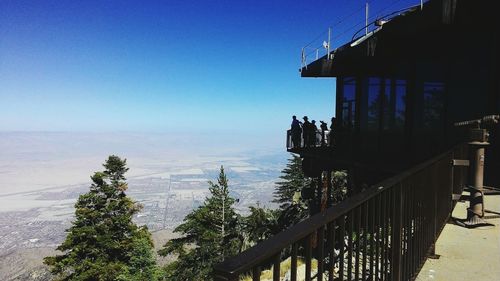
pixel 168 190
pixel 166 201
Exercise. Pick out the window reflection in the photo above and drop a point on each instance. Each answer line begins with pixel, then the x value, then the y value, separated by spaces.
pixel 373 103
pixel 400 104
pixel 348 102
pixel 433 105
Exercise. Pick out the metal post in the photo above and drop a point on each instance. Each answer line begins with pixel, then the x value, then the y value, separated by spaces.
pixel 366 18
pixel 478 141
pixel 476 207
pixel 421 4
pixel 303 58
pixel 328 46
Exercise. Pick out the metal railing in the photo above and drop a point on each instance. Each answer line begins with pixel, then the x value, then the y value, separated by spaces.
pixel 338 34
pixel 383 233
pixel 317 140
pixel 379 21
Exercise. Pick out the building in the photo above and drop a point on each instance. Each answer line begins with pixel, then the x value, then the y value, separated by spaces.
pixel 403 83
pixel 402 86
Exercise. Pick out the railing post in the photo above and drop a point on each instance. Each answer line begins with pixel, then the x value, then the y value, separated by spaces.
pixel 397 201
pixel 328 46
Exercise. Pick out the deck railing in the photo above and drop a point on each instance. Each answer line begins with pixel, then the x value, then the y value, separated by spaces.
pixel 383 233
pixel 340 32
pixel 319 139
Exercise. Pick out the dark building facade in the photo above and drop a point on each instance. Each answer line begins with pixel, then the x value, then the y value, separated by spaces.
pixel 403 85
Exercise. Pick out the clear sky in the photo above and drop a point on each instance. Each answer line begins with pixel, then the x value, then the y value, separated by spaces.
pixel 166 65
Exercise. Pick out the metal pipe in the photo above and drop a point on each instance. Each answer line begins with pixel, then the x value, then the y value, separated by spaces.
pixel 476 207
pixel 328 46
pixel 366 18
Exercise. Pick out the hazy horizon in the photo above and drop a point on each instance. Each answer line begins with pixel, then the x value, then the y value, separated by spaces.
pixel 38 160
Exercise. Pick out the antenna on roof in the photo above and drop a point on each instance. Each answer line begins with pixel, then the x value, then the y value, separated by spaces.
pixel 366 18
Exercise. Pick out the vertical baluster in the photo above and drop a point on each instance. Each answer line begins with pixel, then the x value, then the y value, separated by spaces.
pixel 404 258
pixel 365 238
pixel 407 231
pixel 418 225
pixel 422 225
pixel 413 232
pixel 372 238
pixel 293 265
pixel 308 252
pixel 410 233
pixel 382 235
pixel 342 247
pixel 396 232
pixel 256 273
pixel 331 250
pixel 358 242
pixel 276 268
pixel 320 248
pixel 411 229
pixel 387 233
pixel 377 237
pixel 350 217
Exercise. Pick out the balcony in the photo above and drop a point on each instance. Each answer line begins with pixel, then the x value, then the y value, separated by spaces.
pixel 321 139
pixel 384 233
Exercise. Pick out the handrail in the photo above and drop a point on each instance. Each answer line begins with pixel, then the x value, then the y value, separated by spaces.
pixel 320 138
pixel 386 17
pixel 391 217
pixel 321 51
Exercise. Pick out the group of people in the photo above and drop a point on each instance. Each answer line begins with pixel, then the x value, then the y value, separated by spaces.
pixel 307 130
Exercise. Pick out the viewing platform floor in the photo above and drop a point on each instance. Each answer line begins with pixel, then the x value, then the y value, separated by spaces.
pixel 467 254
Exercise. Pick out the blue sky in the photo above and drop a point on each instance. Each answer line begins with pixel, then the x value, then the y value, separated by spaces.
pixel 165 66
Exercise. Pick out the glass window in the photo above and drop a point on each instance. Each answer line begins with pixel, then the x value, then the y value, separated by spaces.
pixel 374 102
pixel 349 102
pixel 400 104
pixel 433 105
pixel 394 104
pixel 387 99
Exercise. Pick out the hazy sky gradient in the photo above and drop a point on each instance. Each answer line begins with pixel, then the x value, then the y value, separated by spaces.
pixel 165 65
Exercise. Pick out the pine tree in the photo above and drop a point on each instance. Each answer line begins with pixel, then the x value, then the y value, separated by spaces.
pixel 292 181
pixel 287 194
pixel 210 233
pixel 260 224
pixel 103 243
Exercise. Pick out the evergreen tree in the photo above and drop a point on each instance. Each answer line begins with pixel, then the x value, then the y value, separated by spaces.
pixel 339 186
pixel 293 208
pixel 210 233
pixel 287 194
pixel 261 224
pixel 103 243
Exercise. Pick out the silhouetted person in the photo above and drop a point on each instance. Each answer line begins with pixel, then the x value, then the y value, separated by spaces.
pixel 313 131
pixel 334 129
pixel 323 127
pixel 306 131
pixel 296 131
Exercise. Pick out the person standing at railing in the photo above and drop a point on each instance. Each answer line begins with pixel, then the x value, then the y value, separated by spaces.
pixel 333 131
pixel 313 130
pixel 296 131
pixel 306 131
pixel 324 128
